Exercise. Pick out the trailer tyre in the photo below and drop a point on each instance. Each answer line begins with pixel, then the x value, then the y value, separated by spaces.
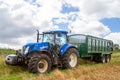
pixel 70 59
pixel 39 64
pixel 103 59
pixel 108 58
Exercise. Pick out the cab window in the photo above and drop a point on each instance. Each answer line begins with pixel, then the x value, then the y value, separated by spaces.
pixel 60 39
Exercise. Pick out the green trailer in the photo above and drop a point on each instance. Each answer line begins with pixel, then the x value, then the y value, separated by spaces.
pixel 98 49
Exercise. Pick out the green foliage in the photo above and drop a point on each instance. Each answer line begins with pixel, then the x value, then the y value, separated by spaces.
pixel 7 51
pixel 116 50
pixel 11 77
pixel 116 46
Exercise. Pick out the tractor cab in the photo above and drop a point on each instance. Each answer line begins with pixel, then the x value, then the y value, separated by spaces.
pixel 51 41
pixel 56 39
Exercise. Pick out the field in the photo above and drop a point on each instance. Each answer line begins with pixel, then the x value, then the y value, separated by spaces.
pixel 87 70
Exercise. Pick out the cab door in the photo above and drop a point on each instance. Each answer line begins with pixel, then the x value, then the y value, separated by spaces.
pixel 60 40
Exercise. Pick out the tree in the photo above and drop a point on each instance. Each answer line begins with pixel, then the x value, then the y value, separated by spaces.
pixel 116 46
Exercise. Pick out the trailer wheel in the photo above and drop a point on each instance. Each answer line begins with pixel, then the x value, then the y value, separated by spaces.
pixel 108 58
pixel 70 59
pixel 103 59
pixel 39 64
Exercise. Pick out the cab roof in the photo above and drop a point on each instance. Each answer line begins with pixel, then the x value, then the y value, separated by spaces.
pixel 56 31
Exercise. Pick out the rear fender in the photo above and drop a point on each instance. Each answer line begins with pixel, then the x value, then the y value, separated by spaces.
pixel 65 47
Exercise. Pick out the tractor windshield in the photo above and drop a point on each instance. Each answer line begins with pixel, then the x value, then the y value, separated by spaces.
pixel 48 37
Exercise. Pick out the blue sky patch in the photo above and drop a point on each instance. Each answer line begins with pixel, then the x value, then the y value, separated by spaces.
pixel 33 2
pixel 113 23
pixel 62 25
pixel 67 8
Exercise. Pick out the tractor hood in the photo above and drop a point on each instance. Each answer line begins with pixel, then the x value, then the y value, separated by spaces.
pixel 30 47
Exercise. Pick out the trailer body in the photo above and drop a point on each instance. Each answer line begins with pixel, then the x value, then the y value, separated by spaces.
pixel 90 46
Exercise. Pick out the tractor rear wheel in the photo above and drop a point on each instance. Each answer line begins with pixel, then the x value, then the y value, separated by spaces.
pixel 70 59
pixel 39 64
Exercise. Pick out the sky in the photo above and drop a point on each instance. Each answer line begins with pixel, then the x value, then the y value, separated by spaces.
pixel 19 19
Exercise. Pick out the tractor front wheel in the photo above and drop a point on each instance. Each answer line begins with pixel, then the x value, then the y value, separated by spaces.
pixel 39 64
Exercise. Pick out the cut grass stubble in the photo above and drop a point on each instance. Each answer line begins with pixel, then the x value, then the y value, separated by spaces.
pixel 86 70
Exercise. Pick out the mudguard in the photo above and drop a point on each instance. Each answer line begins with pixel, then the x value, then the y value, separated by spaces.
pixel 65 47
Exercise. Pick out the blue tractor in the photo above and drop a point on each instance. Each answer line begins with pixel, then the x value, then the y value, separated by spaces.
pixel 53 50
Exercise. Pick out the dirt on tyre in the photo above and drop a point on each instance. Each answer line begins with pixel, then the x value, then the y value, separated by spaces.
pixel 70 59
pixel 39 64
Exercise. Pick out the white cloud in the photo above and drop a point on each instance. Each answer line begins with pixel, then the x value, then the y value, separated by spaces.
pixel 115 37
pixel 19 19
pixel 92 28
pixel 97 9
pixel 47 11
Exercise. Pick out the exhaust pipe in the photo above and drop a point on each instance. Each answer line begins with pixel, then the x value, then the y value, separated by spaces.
pixel 38 36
